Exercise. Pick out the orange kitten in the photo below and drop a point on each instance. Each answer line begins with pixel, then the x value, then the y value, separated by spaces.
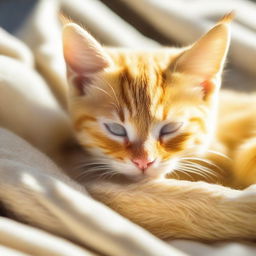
pixel 150 113
pixel 142 113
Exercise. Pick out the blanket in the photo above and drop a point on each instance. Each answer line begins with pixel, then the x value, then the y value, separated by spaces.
pixel 55 215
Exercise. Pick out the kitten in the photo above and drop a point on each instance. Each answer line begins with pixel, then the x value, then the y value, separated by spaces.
pixel 166 207
pixel 145 113
pixel 148 113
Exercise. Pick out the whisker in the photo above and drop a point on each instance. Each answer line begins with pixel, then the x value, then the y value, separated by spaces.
pixel 89 171
pixel 88 167
pixel 184 172
pixel 175 173
pixel 198 171
pixel 105 175
pixel 97 162
pixel 202 160
pixel 102 90
pixel 197 168
pixel 115 104
pixel 114 93
pixel 201 168
pixel 203 174
pixel 219 154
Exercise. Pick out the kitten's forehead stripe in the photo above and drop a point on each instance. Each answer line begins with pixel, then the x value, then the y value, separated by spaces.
pixel 120 113
pixel 137 149
pixel 124 82
pixel 137 87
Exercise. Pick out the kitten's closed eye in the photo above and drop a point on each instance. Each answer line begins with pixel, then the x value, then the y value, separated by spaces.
pixel 170 128
pixel 116 129
pixel 119 130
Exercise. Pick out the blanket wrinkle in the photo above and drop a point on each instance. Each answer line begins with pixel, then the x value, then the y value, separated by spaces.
pixel 36 192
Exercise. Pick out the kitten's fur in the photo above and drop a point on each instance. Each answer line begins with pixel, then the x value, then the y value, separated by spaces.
pixel 144 89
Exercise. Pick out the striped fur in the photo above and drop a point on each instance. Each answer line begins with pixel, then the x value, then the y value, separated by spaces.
pixel 140 90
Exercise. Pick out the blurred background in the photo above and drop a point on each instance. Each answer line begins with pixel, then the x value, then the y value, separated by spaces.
pixel 151 23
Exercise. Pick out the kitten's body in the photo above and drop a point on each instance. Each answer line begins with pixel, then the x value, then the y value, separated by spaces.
pixel 236 131
pixel 180 209
pixel 131 92
pixel 166 207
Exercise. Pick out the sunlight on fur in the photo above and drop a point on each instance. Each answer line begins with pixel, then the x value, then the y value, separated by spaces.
pixel 148 113
pixel 153 114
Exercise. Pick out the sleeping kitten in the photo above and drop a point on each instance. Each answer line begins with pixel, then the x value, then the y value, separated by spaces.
pixel 163 92
pixel 145 113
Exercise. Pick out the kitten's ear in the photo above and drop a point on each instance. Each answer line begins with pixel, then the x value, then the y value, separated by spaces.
pixel 207 56
pixel 84 56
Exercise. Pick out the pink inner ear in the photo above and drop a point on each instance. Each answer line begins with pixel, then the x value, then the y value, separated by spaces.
pixel 85 62
pixel 83 54
pixel 80 82
pixel 207 87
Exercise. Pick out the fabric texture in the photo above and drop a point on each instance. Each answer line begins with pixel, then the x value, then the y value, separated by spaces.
pixel 56 216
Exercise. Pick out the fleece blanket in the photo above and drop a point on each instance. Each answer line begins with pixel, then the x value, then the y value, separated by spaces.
pixel 56 216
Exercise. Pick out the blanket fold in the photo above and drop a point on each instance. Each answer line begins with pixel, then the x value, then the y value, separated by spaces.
pixel 35 191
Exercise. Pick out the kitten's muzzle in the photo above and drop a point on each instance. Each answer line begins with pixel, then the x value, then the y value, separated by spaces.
pixel 142 163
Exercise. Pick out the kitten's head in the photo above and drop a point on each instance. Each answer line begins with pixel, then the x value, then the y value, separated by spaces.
pixel 142 111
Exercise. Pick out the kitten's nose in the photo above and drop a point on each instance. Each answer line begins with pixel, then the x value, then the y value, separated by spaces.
pixel 142 163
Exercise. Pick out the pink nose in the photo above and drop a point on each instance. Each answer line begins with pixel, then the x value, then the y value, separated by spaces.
pixel 142 163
